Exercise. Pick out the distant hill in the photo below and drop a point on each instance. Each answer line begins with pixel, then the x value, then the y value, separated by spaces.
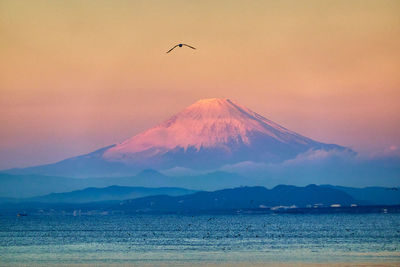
pixel 372 195
pixel 227 200
pixel 31 186
pixel 23 186
pixel 241 198
pixel 114 192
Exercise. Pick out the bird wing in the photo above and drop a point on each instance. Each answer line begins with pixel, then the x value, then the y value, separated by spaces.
pixel 189 46
pixel 172 49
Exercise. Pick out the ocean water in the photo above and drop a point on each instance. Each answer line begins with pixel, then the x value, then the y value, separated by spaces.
pixel 135 239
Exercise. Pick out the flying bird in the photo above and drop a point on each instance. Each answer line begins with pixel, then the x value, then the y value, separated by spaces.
pixel 180 45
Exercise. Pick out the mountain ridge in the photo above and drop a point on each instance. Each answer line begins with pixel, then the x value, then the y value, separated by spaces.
pixel 225 200
pixel 242 198
pixel 207 135
pixel 24 186
pixel 95 194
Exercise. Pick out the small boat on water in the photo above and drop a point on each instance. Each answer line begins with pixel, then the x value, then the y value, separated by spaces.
pixel 22 214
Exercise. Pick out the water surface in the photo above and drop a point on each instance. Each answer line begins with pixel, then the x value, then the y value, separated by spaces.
pixel 136 239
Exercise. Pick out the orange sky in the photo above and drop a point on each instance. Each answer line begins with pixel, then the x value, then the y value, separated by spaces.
pixel 79 75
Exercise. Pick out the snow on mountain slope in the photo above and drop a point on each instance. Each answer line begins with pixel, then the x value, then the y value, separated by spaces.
pixel 205 136
pixel 213 125
pixel 206 123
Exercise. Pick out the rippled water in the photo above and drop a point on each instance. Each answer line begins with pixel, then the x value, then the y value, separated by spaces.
pixel 213 239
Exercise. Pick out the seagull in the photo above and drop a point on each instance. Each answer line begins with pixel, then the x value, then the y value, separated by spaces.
pixel 180 45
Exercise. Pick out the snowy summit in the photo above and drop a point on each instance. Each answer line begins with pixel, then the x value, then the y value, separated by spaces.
pixel 206 135
pixel 215 125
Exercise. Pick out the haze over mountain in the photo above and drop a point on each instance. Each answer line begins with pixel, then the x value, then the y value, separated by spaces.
pixel 26 186
pixel 50 189
pixel 207 135
pixel 93 194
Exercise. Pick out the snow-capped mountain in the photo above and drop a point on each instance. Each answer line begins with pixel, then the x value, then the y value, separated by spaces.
pixel 206 135
pixel 207 124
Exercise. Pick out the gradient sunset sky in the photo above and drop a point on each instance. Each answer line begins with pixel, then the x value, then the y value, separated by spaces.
pixel 79 75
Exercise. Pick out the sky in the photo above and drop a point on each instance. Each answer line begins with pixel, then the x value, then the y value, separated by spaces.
pixel 76 76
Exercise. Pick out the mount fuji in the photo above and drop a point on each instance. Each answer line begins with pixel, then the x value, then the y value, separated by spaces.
pixel 206 135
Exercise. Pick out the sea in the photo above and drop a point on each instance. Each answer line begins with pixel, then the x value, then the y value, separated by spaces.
pixel 174 240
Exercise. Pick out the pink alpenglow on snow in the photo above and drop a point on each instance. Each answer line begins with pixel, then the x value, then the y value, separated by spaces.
pixel 207 135
pixel 209 124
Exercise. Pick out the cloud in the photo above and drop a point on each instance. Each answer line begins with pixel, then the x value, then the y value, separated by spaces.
pixel 319 157
pixel 324 167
